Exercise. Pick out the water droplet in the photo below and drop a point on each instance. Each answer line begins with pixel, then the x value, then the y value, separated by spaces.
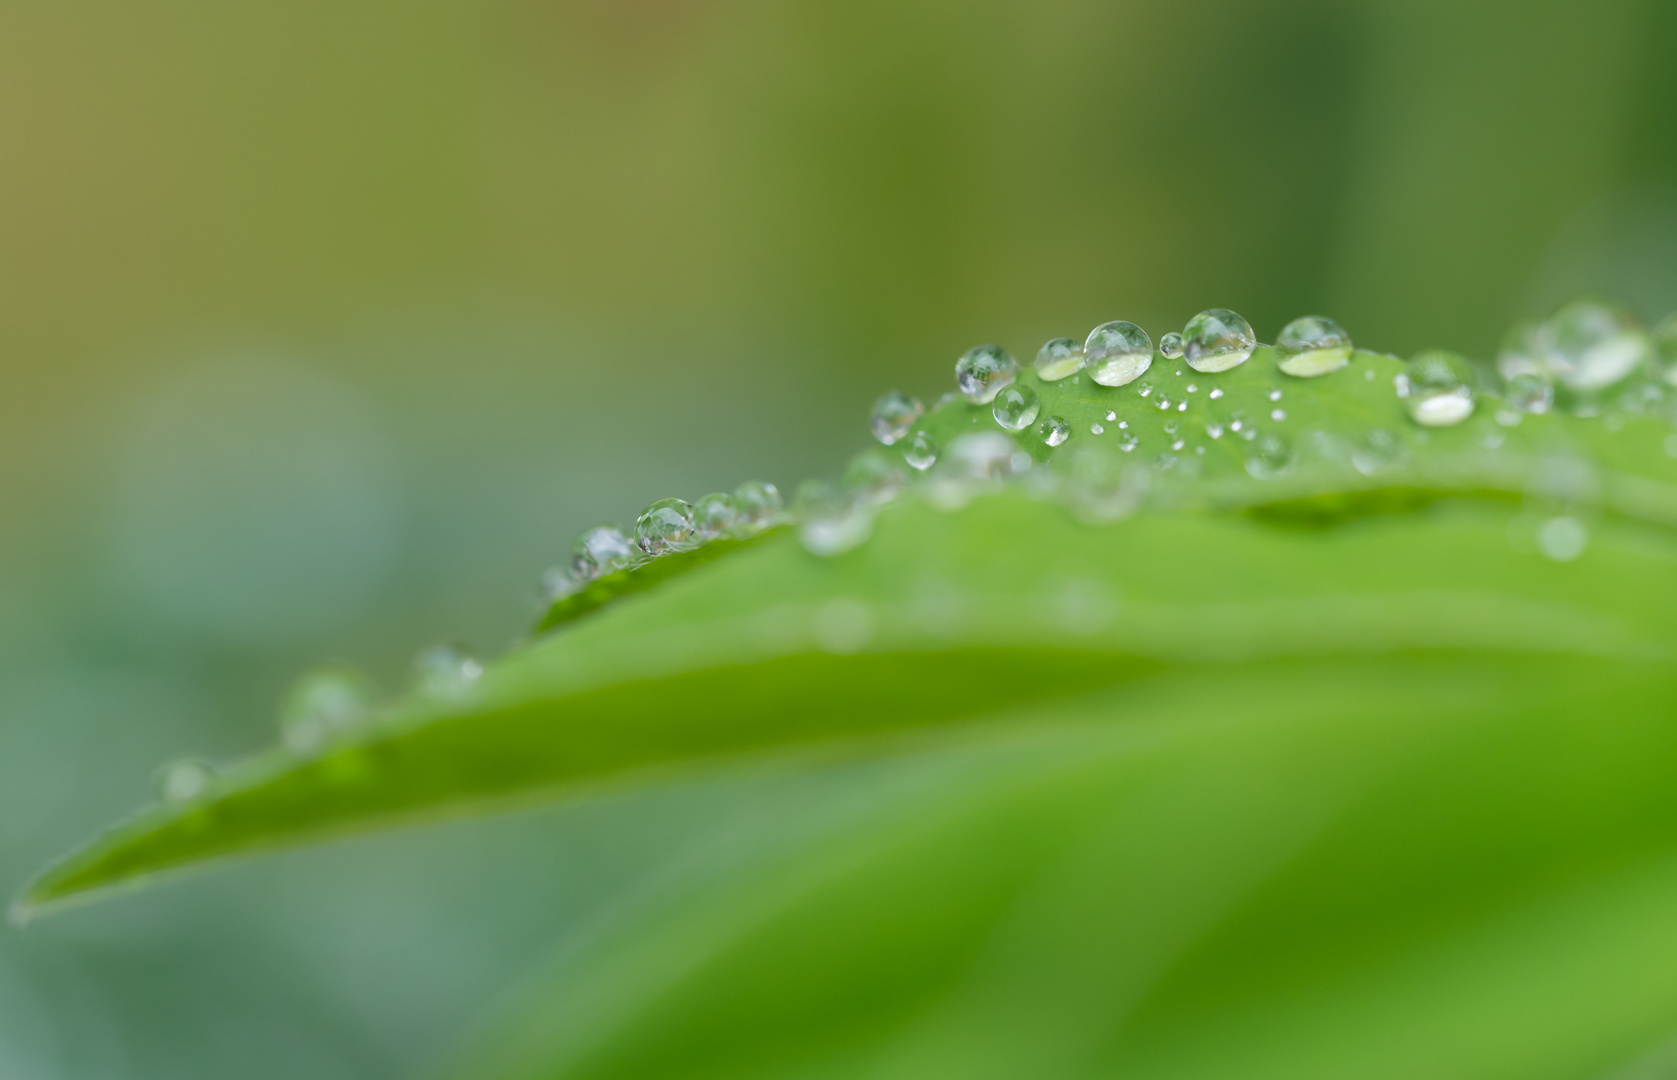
pixel 600 550
pixel 1191 388
pixel 1058 358
pixel 830 520
pixel 1118 353
pixel 1053 430
pixel 921 452
pixel 1164 402
pixel 322 704
pixel 1368 375
pixel 894 415
pixel 1198 449
pixel 1379 450
pixel 1589 344
pixel 1122 424
pixel 1170 346
pixel 843 626
pixel 1216 392
pixel 1271 458
pixel 1181 406
pixel 981 372
pixel 1016 408
pixel 1312 345
pixel 874 478
pixel 1238 422
pixel 559 582
pixel 1562 538
pixel 1101 487
pixel 1111 416
pixel 184 780
pixel 974 463
pixel 1178 444
pixel 1215 430
pixel 665 526
pixel 759 505
pixel 446 671
pixel 1144 389
pixel 1170 427
pixel 1096 429
pixel 1437 388
pixel 715 515
pixel 1127 442
pixel 1517 355
pixel 1217 340
pixel 1278 415
pixel 1528 392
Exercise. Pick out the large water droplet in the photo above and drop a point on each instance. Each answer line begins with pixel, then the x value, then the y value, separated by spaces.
pixel 1312 345
pixel 1217 340
pixel 1016 407
pixel 1117 353
pixel 1272 457
pixel 1517 355
pixel 1562 538
pixel 894 415
pixel 1528 392
pixel 600 550
pixel 446 671
pixel 921 452
pixel 1170 346
pixel 1437 388
pixel 322 704
pixel 874 478
pixel 1589 344
pixel 1053 430
pixel 981 372
pixel 184 780
pixel 759 506
pixel 666 526
pixel 830 520
pixel 1058 358
pixel 715 515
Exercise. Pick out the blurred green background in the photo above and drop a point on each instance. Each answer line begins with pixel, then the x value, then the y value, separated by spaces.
pixel 326 325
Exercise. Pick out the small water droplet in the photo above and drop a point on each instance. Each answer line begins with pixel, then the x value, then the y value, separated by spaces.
pixel 446 671
pixel 715 515
pixel 184 780
pixel 559 582
pixel 322 704
pixel 1272 457
pixel 1111 415
pixel 1164 402
pixel 830 520
pixel 1562 538
pixel 1181 406
pixel 1054 430
pixel 1191 388
pixel 1312 345
pixel 1590 344
pixel 1529 393
pixel 872 477
pixel 1170 346
pixel 973 463
pixel 600 550
pixel 894 415
pixel 1144 389
pixel 1368 375
pixel 1058 358
pixel 1096 429
pixel 1170 427
pixel 1101 487
pixel 982 371
pixel 665 526
pixel 1214 430
pixel 1178 444
pixel 1378 451
pixel 1216 392
pixel 921 452
pixel 1127 442
pixel 1437 388
pixel 1122 424
pixel 1217 340
pixel 1016 407
pixel 1117 353
pixel 759 505
pixel 1198 449
pixel 1278 415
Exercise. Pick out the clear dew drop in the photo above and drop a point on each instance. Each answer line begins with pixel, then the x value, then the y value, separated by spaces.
pixel 600 550
pixel 759 506
pixel 1123 424
pixel 1275 394
pixel 1191 388
pixel 1377 451
pixel 1127 442
pixel 184 780
pixel 1437 388
pixel 1053 430
pixel 446 671
pixel 1171 427
pixel 666 526
pixel 322 704
pixel 972 464
pixel 830 520
pixel 1217 340
pixel 1278 415
pixel 1164 402
pixel 921 452
pixel 1181 406
pixel 1216 392
pixel 1144 389
pixel 1118 353
pixel 1058 358
pixel 1111 416
pixel 983 371
pixel 1096 429
pixel 894 415
pixel 1178 444
pixel 559 582
pixel 1529 392
pixel 1170 346
pixel 1517 354
pixel 1271 457
pixel 715 515
pixel 1016 407
pixel 873 478
pixel 1590 344
pixel 1311 346
pixel 1215 430
pixel 1562 539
